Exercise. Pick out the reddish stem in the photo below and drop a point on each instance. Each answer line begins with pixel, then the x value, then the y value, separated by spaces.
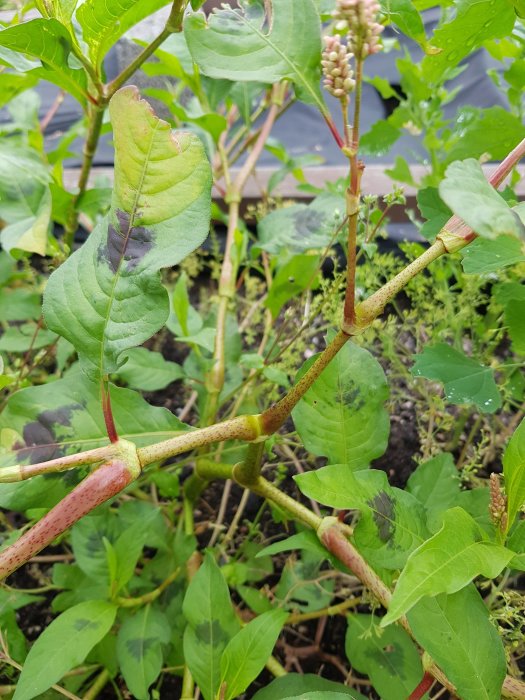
pixel 101 485
pixel 334 131
pixel 424 686
pixel 106 410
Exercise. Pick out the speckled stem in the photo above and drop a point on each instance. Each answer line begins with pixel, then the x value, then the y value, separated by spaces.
pixel 245 428
pixel 20 472
pixel 101 485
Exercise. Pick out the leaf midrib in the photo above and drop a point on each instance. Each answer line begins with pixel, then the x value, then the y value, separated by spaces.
pixel 132 214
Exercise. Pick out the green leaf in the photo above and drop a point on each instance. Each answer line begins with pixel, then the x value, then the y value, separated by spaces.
pixel 298 274
pixel 436 484
pixel 19 304
pixel 379 139
pixel 64 645
pixel 388 657
pixel 464 379
pixel 480 131
pixel 471 25
pixel 244 45
pixel 514 472
pixel 295 685
pixel 404 14
pixel 12 85
pixel 457 633
pixel 514 315
pixel 392 521
pixel 50 42
pixel 246 654
pixel 139 649
pixel 447 562
pixel 211 624
pixel 108 297
pixel 484 255
pixel 469 195
pixel 433 208
pixel 25 199
pixel 148 370
pixel 342 416
pixel 103 23
pixel 301 227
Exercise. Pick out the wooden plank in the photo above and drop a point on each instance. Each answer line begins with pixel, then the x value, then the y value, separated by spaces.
pixel 375 180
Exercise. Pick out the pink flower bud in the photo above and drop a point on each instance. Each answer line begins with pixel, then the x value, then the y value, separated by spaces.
pixel 338 76
pixel 360 17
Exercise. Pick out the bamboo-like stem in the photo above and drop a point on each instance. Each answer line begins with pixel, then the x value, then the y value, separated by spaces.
pixel 372 307
pixel 188 685
pixel 330 611
pixel 425 685
pixel 95 117
pixel 276 669
pixel 274 417
pixel 20 472
pixel 249 470
pixel 245 428
pixel 173 26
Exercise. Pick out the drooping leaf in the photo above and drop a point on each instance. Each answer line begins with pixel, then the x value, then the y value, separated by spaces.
pixel 447 562
pixel 464 379
pixel 484 255
pixel 108 297
pixel 392 521
pixel 139 649
pixel 248 651
pixel 471 25
pixel 148 370
pixel 301 227
pixel 295 685
pixel 493 130
pixel 388 657
pixel 342 416
pixel 514 472
pixel 245 45
pixel 433 208
pixel 64 645
pixel 467 192
pixel 50 42
pixel 103 23
pixel 25 199
pixel 436 484
pixel 211 624
pixel 457 633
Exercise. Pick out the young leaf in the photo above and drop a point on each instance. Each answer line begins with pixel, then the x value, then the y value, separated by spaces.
pixel 246 654
pixel 139 649
pixel 148 370
pixel 103 23
pixel 107 297
pixel 466 191
pixel 457 633
pixel 211 624
pixel 392 521
pixel 388 657
pixel 64 645
pixel 464 379
pixel 447 562
pixel 244 45
pixel 342 416
pixel 50 42
pixel 514 473
pixel 484 255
